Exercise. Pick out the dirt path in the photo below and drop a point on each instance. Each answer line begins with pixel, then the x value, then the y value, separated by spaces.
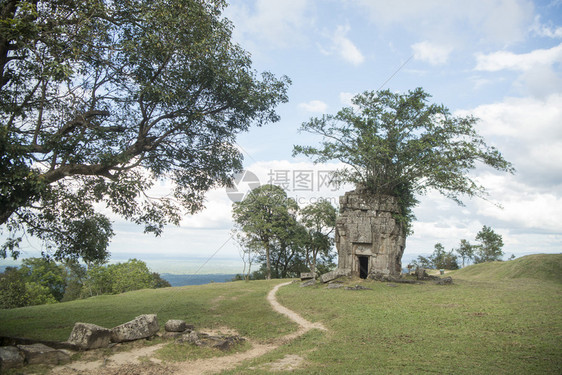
pixel 215 365
pixel 304 324
pixel 128 362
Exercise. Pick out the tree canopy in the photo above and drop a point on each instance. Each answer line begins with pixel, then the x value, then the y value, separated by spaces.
pixel 287 240
pixel 465 251
pixel 267 217
pixel 101 98
pixel 319 220
pixel 490 246
pixel 39 281
pixel 401 145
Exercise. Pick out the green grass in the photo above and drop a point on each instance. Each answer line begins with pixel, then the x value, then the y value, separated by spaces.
pixel 239 305
pixel 472 327
pixel 547 267
pixel 508 323
pixel 497 318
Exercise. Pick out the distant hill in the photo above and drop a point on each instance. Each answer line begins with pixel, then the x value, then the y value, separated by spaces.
pixel 182 280
pixel 546 267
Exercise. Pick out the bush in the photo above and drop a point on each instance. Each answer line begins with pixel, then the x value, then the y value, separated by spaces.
pixel 121 277
pixel 38 294
pixel 13 292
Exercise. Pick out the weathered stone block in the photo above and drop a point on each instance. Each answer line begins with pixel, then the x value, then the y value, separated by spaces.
pixel 334 286
pixel 202 339
pixel 174 325
pixel 332 275
pixel 89 336
pixel 445 281
pixel 421 274
pixel 42 354
pixel 308 283
pixel 141 327
pixel 10 357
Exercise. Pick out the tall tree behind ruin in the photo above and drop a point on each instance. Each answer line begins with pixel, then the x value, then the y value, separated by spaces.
pixel 396 147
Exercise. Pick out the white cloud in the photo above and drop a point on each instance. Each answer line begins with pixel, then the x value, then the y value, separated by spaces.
pixel 345 98
pixel 549 31
pixel 342 46
pixel 496 21
pixel 503 60
pixel 278 23
pixel 522 207
pixel 530 135
pixel 541 81
pixel 527 119
pixel 217 213
pixel 480 82
pixel 538 70
pixel 315 106
pixel 448 232
pixel 431 53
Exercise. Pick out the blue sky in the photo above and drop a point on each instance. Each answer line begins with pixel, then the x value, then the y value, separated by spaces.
pixel 499 60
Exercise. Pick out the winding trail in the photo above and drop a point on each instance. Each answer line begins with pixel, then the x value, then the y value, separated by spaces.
pixel 215 365
pixel 304 324
pixel 119 363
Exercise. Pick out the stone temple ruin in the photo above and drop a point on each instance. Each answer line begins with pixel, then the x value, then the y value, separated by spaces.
pixel 370 242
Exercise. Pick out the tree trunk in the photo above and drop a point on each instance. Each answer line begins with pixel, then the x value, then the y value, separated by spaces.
pixel 313 268
pixel 268 261
pixel 247 276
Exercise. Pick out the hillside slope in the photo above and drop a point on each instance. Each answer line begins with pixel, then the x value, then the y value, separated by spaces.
pixel 475 326
pixel 545 267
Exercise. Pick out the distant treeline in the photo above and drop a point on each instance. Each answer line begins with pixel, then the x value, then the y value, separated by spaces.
pixel 40 281
pixel 194 279
pixel 488 249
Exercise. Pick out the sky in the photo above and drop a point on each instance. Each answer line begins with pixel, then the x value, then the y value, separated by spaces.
pixel 499 60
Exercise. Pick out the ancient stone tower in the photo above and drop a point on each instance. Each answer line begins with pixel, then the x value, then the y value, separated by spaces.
pixel 368 238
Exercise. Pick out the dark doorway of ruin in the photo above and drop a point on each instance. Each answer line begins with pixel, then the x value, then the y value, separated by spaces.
pixel 363 267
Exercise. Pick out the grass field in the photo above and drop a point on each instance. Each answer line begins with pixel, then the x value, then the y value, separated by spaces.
pixel 497 318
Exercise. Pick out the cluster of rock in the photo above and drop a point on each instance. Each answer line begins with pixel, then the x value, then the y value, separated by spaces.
pixel 308 283
pixel 222 342
pixel 185 333
pixel 18 355
pixel 90 336
pixel 420 276
pixel 86 336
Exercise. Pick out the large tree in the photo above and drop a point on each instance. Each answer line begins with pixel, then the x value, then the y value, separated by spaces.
pixel 101 98
pixel 401 145
pixel 267 217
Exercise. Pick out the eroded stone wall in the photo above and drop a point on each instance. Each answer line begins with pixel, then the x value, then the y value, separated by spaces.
pixel 366 227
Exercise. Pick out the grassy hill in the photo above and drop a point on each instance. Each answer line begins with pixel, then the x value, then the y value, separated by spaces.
pixel 491 320
pixel 547 267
